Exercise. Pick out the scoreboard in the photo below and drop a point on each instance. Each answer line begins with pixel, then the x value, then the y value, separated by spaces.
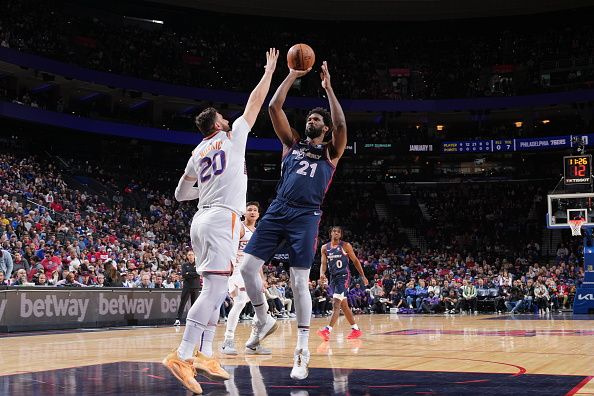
pixel 577 170
pixel 509 145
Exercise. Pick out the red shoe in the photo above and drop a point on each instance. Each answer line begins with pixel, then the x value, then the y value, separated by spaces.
pixel 354 334
pixel 324 334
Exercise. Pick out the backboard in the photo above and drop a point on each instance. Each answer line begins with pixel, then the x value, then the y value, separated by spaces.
pixel 564 207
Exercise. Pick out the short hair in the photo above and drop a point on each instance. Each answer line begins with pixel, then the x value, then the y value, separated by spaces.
pixel 337 227
pixel 253 203
pixel 206 119
pixel 325 115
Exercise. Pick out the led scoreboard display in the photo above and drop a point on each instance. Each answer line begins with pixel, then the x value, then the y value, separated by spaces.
pixel 577 169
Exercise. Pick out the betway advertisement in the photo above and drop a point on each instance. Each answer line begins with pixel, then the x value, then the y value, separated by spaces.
pixel 39 309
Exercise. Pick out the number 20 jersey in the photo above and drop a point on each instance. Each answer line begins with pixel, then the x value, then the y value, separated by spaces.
pixel 306 175
pixel 218 163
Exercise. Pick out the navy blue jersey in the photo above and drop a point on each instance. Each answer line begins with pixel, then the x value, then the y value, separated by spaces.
pixel 338 259
pixel 306 175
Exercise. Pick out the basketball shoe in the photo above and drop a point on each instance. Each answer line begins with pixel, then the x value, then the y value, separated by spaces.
pixel 324 334
pixel 209 367
pixel 355 333
pixel 300 364
pixel 260 331
pixel 228 347
pixel 183 370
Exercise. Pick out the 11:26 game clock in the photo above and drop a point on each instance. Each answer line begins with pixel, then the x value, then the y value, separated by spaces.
pixel 577 169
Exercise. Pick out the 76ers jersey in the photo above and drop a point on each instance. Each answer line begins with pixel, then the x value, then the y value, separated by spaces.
pixel 219 165
pixel 242 244
pixel 306 174
pixel 338 260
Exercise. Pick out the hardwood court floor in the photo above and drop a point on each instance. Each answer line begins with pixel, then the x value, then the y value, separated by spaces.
pixel 398 354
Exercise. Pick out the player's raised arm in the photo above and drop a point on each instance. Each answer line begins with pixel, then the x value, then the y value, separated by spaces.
pixel 256 99
pixel 339 133
pixel 353 257
pixel 279 119
pixel 324 264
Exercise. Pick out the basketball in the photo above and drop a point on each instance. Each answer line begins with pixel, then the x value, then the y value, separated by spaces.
pixel 301 57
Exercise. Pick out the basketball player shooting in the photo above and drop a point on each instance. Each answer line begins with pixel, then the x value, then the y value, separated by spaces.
pixel 294 215
pixel 335 258
pixel 217 168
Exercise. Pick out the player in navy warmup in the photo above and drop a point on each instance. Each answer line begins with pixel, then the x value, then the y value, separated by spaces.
pixel 294 216
pixel 335 257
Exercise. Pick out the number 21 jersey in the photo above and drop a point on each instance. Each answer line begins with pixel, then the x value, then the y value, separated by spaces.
pixel 218 163
pixel 306 174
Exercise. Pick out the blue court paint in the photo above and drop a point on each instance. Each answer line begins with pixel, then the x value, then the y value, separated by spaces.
pixel 144 379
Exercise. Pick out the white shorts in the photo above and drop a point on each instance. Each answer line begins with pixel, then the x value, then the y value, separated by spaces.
pixel 215 239
pixel 236 281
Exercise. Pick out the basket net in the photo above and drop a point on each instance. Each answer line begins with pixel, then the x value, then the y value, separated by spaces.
pixel 576 226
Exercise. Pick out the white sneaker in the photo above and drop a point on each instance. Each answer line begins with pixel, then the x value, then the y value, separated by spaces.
pixel 257 350
pixel 292 315
pixel 177 322
pixel 260 331
pixel 300 364
pixel 228 347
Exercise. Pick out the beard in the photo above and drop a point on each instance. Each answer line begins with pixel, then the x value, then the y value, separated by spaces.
pixel 312 133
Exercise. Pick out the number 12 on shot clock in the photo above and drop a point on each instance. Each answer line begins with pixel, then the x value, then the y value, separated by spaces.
pixel 577 169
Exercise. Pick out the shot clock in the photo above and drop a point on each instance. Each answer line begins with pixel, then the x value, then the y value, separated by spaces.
pixel 577 170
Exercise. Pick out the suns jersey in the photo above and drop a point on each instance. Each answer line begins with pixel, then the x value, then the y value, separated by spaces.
pixel 218 163
pixel 242 244
pixel 338 259
pixel 306 174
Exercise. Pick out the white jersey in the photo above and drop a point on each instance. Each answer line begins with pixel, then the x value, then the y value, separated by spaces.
pixel 242 244
pixel 218 163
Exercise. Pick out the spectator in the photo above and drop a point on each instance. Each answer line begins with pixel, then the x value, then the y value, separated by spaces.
pixel 6 263
pixel 358 299
pixel 451 301
pixel 541 297
pixel 20 262
pixel 69 281
pixel 145 282
pixel 469 294
pixel 431 303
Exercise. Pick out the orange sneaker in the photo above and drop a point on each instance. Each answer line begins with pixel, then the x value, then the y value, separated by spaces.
pixel 184 371
pixel 324 334
pixel 355 333
pixel 209 367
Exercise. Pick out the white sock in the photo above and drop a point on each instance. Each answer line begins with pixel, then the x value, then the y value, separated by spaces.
pixel 192 336
pixel 209 334
pixel 355 327
pixel 199 316
pixel 239 303
pixel 303 338
pixel 329 328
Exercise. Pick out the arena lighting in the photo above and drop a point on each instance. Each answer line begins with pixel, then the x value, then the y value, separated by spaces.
pixel 439 127
pixel 518 124
pixel 545 121
pixel 145 20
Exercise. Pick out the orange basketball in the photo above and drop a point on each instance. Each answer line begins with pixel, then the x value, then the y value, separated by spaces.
pixel 301 57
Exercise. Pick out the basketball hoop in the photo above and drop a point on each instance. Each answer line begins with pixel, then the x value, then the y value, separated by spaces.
pixel 576 226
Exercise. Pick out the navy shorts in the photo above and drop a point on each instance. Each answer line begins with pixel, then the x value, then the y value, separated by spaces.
pixel 295 227
pixel 340 284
